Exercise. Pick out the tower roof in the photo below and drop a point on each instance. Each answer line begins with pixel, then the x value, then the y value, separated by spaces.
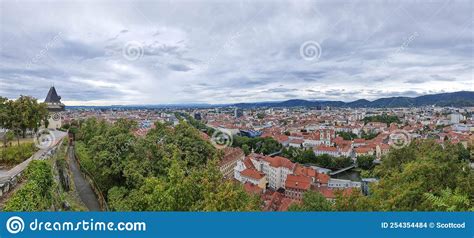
pixel 52 96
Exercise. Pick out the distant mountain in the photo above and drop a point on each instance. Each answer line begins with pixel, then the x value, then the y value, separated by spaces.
pixel 456 99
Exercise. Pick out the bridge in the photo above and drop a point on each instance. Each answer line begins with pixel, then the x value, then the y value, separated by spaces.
pixel 275 153
pixel 342 170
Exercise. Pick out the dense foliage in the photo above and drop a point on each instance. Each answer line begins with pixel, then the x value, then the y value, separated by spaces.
pixel 423 176
pixel 369 135
pixel 37 192
pixel 22 114
pixel 312 201
pixel 346 135
pixel 265 145
pixel 172 168
pixel 307 156
pixel 13 155
pixel 382 118
pixel 365 162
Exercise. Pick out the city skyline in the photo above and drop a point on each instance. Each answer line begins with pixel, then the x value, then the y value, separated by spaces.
pixel 135 53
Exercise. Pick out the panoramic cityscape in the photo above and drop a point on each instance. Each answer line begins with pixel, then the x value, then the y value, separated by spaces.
pixel 224 106
pixel 276 156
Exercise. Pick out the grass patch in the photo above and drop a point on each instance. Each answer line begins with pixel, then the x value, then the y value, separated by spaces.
pixel 16 154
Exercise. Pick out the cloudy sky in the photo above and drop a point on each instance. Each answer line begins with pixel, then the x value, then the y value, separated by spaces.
pixel 151 52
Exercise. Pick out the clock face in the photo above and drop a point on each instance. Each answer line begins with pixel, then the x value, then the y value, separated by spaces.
pixel 56 117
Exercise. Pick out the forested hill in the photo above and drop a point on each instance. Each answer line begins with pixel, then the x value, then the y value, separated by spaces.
pixel 456 99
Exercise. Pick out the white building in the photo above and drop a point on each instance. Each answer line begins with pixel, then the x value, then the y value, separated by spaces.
pixel 343 183
pixel 276 168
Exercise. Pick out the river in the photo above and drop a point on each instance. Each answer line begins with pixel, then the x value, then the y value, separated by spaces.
pixel 351 174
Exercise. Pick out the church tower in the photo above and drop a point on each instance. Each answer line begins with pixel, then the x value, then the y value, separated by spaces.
pixel 55 107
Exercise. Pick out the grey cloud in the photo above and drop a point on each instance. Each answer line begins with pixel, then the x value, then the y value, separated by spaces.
pixel 179 67
pixel 415 81
pixel 251 53
pixel 437 77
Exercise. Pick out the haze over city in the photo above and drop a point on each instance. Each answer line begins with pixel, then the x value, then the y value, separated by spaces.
pixel 234 51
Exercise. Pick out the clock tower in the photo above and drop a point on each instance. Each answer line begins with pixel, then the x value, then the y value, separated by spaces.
pixel 55 107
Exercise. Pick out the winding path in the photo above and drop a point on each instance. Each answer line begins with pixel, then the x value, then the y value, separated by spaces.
pixel 86 193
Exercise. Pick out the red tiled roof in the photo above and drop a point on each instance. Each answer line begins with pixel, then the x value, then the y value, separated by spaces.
pixel 248 163
pixel 279 161
pixel 297 182
pixel 326 148
pixel 306 171
pixel 345 148
pixel 231 154
pixel 285 204
pixel 252 188
pixel 384 146
pixel 362 150
pixel 322 178
pixel 297 141
pixel 281 138
pixel 252 173
pixel 326 192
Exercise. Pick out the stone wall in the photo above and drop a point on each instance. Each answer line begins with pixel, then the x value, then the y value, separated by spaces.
pixel 9 179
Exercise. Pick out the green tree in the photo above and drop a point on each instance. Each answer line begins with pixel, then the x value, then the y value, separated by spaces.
pixel 365 162
pixel 325 161
pixel 36 194
pixel 464 154
pixel 449 201
pixel 199 190
pixel 354 201
pixel 382 118
pixel 246 149
pixel 409 173
pixel 347 135
pixel 4 117
pixel 368 136
pixel 312 201
pixel 170 169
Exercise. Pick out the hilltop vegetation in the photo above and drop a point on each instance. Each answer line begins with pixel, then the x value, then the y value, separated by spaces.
pixel 423 176
pixel 22 114
pixel 37 192
pixel 16 154
pixel 18 116
pixel 42 187
pixel 170 169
